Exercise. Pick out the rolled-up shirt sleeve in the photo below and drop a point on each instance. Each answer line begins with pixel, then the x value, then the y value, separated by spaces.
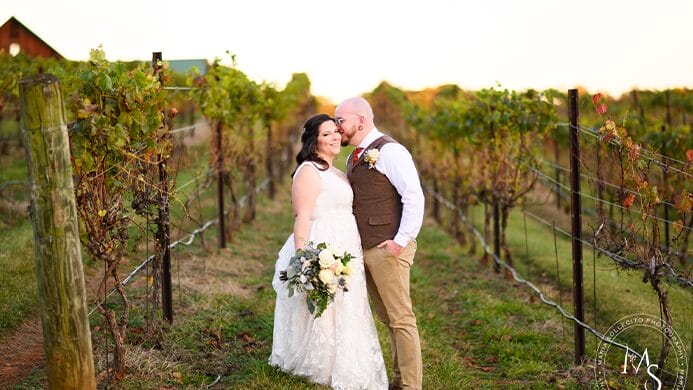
pixel 397 164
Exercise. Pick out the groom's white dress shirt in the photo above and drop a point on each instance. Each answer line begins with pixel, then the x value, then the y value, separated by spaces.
pixel 396 163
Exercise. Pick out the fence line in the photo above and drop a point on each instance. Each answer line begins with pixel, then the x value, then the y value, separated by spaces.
pixel 186 128
pixel 178 188
pixel 180 88
pixel 683 281
pixel 596 180
pixel 592 212
pixel 527 283
pixel 542 174
pixel 184 241
pixel 643 154
pixel 593 133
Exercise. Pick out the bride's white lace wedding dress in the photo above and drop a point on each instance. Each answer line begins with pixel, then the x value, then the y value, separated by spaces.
pixel 340 348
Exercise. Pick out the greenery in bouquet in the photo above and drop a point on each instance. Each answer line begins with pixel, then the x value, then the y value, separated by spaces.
pixel 318 271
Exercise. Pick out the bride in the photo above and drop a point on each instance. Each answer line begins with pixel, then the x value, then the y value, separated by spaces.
pixel 340 348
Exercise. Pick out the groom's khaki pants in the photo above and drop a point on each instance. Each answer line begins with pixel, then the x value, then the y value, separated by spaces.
pixel 387 278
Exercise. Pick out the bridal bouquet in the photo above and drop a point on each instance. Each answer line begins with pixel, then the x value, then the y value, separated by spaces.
pixel 318 271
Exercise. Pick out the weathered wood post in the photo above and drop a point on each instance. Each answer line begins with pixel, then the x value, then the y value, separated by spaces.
pixel 163 233
pixel 576 224
pixel 220 183
pixel 269 160
pixel 66 335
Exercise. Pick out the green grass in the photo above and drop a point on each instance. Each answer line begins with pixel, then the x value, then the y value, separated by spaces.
pixel 10 129
pixel 478 329
pixel 18 297
pixel 618 293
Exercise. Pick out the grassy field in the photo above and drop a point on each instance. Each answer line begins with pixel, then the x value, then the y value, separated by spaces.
pixel 18 297
pixel 478 329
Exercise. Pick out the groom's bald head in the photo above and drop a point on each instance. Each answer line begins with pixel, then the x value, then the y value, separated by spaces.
pixel 356 105
pixel 354 118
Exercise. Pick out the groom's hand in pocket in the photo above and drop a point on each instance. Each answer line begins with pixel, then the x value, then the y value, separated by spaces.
pixel 392 247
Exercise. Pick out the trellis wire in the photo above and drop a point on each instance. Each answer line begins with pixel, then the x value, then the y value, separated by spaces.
pixel 593 133
pixel 672 273
pixel 527 283
pixel 596 180
pixel 540 173
pixel 652 154
pixel 561 192
pixel 185 241
pixel 644 155
pixel 186 128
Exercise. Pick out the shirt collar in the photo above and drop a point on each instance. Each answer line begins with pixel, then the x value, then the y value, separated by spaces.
pixel 372 136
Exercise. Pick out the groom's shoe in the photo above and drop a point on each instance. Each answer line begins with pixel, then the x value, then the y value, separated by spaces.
pixel 394 387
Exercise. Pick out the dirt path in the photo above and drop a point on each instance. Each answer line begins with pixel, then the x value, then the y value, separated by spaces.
pixel 21 352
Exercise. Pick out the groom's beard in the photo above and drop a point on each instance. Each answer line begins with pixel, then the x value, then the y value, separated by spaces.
pixel 347 134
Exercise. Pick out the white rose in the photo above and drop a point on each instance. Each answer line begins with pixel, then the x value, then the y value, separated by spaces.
pixel 326 257
pixel 373 155
pixel 339 269
pixel 326 276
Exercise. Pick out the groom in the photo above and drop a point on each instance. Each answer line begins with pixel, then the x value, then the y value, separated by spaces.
pixel 389 208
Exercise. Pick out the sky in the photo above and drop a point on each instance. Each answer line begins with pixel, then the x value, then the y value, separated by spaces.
pixel 347 48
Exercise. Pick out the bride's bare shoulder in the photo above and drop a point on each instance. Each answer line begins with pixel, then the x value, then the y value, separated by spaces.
pixel 302 167
pixel 306 172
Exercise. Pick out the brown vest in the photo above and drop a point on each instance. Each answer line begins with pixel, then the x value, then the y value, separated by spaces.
pixel 377 205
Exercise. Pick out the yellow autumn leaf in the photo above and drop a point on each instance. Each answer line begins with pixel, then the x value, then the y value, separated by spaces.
pixel 82 114
pixel 102 213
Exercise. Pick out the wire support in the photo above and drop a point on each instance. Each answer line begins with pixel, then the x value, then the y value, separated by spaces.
pixel 584 195
pixel 191 181
pixel 596 180
pixel 593 213
pixel 184 241
pixel 684 282
pixel 527 283
pixel 181 129
pixel 180 88
pixel 644 153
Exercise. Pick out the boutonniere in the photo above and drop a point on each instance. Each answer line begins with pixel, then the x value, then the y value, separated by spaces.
pixel 371 157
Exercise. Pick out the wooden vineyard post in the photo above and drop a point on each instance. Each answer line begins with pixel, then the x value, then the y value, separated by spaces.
pixel 61 291
pixel 496 235
pixel 269 163
pixel 576 225
pixel 164 226
pixel 220 184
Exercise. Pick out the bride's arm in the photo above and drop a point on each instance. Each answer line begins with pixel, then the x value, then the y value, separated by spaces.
pixel 304 192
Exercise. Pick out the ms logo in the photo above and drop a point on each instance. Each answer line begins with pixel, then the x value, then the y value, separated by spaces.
pixel 613 367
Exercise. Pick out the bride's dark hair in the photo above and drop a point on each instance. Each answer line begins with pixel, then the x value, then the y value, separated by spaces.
pixel 309 142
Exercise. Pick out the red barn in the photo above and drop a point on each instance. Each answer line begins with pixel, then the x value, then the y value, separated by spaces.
pixel 16 38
